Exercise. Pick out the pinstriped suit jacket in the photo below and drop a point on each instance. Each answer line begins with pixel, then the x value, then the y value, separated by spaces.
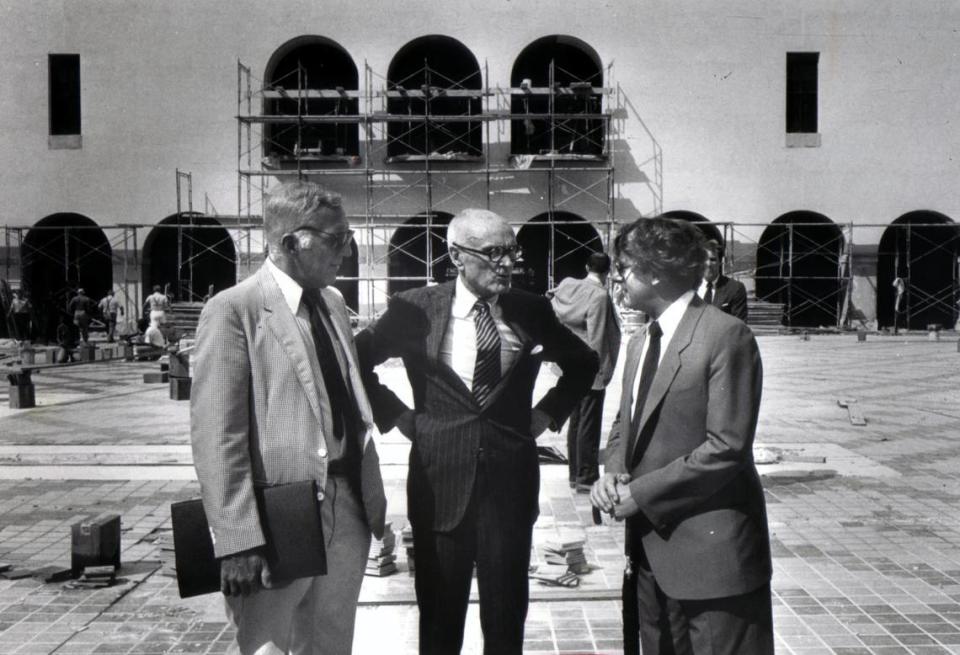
pixel 447 427
pixel 257 413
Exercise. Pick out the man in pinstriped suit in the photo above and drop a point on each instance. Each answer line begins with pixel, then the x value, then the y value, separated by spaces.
pixel 472 349
pixel 277 398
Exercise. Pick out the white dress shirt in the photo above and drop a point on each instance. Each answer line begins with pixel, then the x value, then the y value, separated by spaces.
pixel 459 348
pixel 702 289
pixel 669 321
pixel 293 295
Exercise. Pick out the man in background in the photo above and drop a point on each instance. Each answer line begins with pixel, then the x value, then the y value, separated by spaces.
pixel 80 307
pixel 110 308
pixel 157 305
pixel 719 290
pixel 584 306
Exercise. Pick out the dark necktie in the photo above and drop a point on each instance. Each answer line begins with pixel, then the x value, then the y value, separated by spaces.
pixel 342 403
pixel 708 294
pixel 486 370
pixel 647 372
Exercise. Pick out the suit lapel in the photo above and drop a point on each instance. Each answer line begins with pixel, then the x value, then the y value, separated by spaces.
pixel 281 321
pixel 669 366
pixel 439 317
pixel 510 314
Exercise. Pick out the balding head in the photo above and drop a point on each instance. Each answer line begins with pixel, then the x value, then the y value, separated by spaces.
pixel 471 226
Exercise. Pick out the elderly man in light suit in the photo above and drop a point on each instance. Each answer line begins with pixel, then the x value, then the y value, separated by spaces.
pixel 679 461
pixel 277 398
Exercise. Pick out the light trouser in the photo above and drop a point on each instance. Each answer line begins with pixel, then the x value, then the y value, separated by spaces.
pixel 311 616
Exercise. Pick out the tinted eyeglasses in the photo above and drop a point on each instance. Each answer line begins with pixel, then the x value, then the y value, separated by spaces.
pixel 494 254
pixel 338 240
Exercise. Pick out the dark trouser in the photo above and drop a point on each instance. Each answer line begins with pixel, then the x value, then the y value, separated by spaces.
pixel 111 326
pixel 734 625
pixel 82 321
pixel 498 540
pixel 21 326
pixel 583 438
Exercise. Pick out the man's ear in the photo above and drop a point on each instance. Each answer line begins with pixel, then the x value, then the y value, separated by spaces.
pixel 290 242
pixel 455 257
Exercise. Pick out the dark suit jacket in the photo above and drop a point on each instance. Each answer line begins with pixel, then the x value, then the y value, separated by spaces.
pixel 447 426
pixel 731 296
pixel 703 521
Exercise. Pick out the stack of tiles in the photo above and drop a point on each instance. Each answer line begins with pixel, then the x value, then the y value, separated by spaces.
pixel 382 561
pixel 406 538
pixel 567 550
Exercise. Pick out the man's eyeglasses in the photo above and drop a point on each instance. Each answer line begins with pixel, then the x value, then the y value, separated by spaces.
pixel 621 271
pixel 494 254
pixel 338 240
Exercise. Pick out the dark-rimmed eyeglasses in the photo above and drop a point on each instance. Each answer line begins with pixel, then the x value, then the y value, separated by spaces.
pixel 338 240
pixel 621 271
pixel 494 254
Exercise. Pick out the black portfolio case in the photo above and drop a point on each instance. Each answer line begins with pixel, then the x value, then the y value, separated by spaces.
pixel 290 518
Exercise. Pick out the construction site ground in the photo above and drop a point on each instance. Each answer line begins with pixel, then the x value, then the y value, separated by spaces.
pixel 864 520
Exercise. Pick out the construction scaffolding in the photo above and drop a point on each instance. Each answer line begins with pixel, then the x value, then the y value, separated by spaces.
pixel 430 146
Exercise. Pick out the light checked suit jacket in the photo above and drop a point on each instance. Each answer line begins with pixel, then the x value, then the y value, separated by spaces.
pixel 447 427
pixel 703 521
pixel 258 416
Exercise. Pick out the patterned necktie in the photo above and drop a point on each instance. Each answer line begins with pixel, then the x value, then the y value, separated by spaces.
pixel 649 370
pixel 341 400
pixel 486 370
pixel 708 294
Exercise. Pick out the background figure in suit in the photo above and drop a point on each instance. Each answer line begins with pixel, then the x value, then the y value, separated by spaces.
pixel 472 349
pixel 679 462
pixel 719 290
pixel 277 398
pixel 585 307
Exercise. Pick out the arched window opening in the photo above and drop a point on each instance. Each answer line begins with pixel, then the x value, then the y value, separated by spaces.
pixel 709 230
pixel 311 104
pixel 799 259
pixel 556 102
pixel 434 87
pixel 921 249
pixel 59 254
pixel 417 254
pixel 190 253
pixel 554 247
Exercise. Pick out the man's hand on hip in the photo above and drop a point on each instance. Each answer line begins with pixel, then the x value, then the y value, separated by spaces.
pixel 242 574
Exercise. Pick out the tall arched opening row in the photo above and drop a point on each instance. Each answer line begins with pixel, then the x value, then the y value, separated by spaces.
pixel 435 92
pixel 801 261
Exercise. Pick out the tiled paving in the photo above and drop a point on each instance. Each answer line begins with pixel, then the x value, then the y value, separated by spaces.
pixel 865 521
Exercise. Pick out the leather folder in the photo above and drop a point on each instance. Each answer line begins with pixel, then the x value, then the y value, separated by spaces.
pixel 290 519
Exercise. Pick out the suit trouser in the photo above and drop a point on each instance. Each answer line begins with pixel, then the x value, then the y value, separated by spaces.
pixel 583 438
pixel 734 625
pixel 498 540
pixel 311 616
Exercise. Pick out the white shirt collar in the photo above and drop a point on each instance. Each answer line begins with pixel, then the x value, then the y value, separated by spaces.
pixel 670 318
pixel 289 287
pixel 464 300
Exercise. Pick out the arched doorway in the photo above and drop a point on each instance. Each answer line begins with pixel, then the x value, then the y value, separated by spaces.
pixel 921 248
pixel 419 249
pixel 61 253
pixel 704 224
pixel 189 252
pixel 311 76
pixel 554 247
pixel 558 74
pixel 434 75
pixel 799 265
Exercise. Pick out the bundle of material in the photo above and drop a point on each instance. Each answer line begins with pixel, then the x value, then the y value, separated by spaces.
pixel 382 561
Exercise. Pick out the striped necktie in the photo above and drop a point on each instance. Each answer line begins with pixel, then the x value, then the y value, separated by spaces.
pixel 708 294
pixel 486 370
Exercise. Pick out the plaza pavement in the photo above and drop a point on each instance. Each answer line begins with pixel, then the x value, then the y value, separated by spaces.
pixel 864 521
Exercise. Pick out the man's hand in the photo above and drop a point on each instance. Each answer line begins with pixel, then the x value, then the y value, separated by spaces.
pixel 626 506
pixel 605 492
pixel 539 422
pixel 244 573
